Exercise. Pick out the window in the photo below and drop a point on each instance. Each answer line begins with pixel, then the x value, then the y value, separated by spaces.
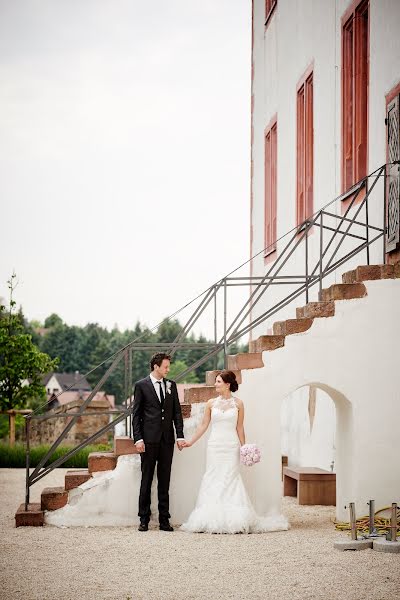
pixel 305 147
pixel 355 69
pixel 270 188
pixel 269 9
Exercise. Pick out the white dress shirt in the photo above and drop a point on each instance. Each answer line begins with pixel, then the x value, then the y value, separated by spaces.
pixel 156 385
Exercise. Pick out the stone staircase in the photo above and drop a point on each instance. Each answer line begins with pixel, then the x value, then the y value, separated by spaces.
pixel 351 288
pixel 53 498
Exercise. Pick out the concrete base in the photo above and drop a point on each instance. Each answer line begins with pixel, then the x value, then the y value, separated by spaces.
pixel 352 544
pixel 383 545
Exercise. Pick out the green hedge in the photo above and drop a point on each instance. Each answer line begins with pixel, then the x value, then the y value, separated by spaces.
pixel 14 457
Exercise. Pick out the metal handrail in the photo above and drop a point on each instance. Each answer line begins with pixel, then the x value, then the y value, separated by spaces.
pixel 235 330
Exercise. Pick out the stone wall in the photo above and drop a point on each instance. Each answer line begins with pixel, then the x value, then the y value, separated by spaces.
pixel 47 431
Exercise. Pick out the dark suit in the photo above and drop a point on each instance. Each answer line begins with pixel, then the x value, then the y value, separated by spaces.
pixel 153 423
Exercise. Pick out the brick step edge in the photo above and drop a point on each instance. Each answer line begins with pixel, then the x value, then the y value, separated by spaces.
pixel 203 393
pixel 316 310
pixel 245 360
pixel 74 479
pixel 372 272
pixel 101 461
pixel 33 517
pixel 267 343
pixel 291 326
pixel 343 291
pixel 53 498
pixel 123 444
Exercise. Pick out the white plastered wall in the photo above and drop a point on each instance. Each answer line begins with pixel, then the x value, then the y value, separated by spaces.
pixel 301 33
pixel 351 358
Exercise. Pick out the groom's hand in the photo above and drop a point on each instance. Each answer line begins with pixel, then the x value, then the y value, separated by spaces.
pixel 140 447
pixel 181 444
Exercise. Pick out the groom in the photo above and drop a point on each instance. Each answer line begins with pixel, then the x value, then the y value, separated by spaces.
pixel 156 409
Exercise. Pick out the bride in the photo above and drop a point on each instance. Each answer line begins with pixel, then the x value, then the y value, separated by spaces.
pixel 223 505
pixel 109 498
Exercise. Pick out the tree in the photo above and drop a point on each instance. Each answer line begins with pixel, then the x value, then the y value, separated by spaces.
pixel 53 321
pixel 21 362
pixel 177 367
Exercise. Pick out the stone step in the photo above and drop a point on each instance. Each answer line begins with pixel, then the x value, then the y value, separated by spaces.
pixel 123 444
pixel 212 375
pixel 315 310
pixel 343 291
pixel 101 461
pixel 291 326
pixel 74 479
pixel 252 346
pixel 368 273
pixel 186 410
pixel 53 498
pixel 245 360
pixel 200 394
pixel 268 343
pixel 33 517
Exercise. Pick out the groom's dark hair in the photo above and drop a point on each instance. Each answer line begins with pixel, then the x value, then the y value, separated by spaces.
pixel 157 359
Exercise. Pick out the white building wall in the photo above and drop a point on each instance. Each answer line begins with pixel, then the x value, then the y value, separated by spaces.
pixel 301 33
pixel 53 384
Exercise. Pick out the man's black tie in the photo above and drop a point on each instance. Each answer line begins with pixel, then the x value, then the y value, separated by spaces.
pixel 162 397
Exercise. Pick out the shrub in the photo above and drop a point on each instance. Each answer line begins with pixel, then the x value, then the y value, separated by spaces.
pixel 14 456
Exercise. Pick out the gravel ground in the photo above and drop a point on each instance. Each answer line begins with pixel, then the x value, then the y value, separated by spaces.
pixel 115 563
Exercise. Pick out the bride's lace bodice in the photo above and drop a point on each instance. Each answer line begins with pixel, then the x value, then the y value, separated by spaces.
pixel 224 404
pixel 224 414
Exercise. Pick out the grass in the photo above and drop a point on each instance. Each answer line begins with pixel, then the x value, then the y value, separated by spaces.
pixel 14 457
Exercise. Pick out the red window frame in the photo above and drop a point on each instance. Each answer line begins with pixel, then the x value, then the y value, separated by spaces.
pixel 270 6
pixel 270 190
pixel 355 91
pixel 305 148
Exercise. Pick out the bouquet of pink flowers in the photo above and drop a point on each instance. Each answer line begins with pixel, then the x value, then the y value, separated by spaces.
pixel 249 455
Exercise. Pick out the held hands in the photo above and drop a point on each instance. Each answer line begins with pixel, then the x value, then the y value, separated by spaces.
pixel 140 447
pixel 183 444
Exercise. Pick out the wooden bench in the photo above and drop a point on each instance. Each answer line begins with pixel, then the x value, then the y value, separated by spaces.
pixel 284 463
pixel 311 485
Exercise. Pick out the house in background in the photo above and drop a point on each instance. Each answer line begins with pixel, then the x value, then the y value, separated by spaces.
pixel 324 115
pixel 59 382
pixel 64 388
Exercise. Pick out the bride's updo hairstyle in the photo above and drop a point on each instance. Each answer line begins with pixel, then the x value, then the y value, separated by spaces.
pixel 230 377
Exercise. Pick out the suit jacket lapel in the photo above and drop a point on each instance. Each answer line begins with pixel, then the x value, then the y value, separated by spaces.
pixel 153 391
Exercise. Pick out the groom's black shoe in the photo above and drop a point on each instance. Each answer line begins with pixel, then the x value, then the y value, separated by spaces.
pixel 165 526
pixel 144 526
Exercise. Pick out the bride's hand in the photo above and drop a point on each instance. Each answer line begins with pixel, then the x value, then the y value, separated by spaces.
pixel 188 444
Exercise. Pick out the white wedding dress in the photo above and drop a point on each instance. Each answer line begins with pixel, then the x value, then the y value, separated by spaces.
pixel 110 498
pixel 223 505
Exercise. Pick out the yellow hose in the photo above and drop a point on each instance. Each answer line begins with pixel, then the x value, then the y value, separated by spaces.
pixel 382 524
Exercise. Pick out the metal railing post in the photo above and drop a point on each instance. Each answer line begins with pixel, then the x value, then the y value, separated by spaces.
pixel 27 460
pixel 225 326
pixel 393 523
pixel 320 254
pixel 371 525
pixel 130 385
pixel 126 387
pixel 306 259
pixel 385 176
pixel 366 219
pixel 215 327
pixel 353 521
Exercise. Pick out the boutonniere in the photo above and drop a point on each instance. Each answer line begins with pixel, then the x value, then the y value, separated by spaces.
pixel 168 386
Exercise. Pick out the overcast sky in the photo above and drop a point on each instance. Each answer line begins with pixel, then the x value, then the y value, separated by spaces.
pixel 124 153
